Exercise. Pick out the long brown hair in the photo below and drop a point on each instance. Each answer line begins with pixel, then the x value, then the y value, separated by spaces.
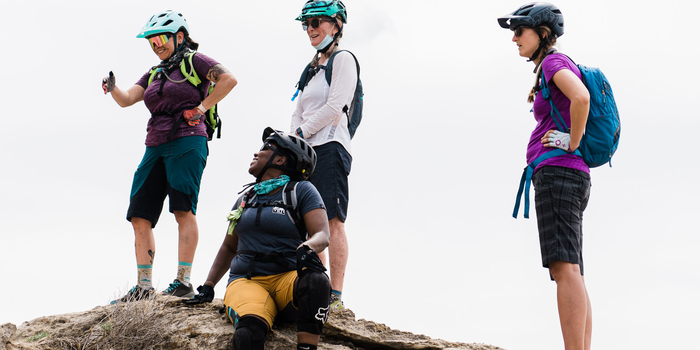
pixel 547 43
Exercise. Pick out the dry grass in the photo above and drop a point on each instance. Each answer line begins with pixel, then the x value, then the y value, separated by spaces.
pixel 129 325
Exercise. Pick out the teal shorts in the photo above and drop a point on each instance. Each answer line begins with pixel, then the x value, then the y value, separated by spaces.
pixel 173 169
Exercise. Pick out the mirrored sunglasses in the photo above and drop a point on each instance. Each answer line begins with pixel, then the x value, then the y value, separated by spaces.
pixel 158 40
pixel 314 23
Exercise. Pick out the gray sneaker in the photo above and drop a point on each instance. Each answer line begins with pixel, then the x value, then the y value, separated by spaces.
pixel 135 293
pixel 179 289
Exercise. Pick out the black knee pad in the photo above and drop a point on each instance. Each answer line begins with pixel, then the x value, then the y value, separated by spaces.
pixel 313 292
pixel 250 334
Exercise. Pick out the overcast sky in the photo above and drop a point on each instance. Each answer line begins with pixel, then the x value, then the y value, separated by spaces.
pixel 436 162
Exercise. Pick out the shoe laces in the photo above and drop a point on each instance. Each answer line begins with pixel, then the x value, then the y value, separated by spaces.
pixel 172 286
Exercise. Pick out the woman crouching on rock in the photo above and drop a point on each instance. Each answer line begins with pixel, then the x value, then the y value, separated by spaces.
pixel 273 262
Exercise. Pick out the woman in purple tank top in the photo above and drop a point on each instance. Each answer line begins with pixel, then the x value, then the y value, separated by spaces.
pixel 177 94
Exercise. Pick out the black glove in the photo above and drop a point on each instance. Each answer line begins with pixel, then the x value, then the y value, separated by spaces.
pixel 307 258
pixel 206 295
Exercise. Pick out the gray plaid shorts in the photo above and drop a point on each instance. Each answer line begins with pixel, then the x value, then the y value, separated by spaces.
pixel 561 196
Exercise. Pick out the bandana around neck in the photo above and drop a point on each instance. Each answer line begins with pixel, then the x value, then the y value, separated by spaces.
pixel 270 185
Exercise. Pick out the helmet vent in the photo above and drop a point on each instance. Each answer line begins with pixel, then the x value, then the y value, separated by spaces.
pixel 167 22
pixel 162 15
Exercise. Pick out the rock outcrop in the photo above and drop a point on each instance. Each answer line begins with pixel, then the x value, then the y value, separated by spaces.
pixel 164 323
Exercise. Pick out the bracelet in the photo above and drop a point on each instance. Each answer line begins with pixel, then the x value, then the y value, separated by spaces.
pixel 298 131
pixel 201 109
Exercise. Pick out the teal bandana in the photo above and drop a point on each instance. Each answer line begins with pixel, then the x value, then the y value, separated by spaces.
pixel 264 187
pixel 270 185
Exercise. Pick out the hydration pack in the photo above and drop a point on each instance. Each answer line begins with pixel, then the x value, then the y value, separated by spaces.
pixel 289 204
pixel 600 138
pixel 211 117
pixel 352 111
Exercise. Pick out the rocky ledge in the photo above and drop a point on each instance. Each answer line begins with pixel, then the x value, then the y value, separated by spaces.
pixel 164 323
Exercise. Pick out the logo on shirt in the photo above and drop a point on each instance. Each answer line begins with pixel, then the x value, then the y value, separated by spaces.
pixel 278 210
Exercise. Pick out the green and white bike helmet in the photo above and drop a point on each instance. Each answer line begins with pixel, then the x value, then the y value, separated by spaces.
pixel 328 8
pixel 164 22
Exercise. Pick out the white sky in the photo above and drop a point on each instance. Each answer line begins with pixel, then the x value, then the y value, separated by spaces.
pixel 437 160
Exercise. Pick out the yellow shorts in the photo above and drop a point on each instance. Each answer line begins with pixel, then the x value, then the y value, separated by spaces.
pixel 262 296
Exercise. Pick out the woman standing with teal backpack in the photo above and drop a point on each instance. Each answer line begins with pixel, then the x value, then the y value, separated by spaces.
pixel 562 183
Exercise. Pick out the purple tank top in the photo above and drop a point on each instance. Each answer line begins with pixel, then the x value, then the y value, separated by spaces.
pixel 176 98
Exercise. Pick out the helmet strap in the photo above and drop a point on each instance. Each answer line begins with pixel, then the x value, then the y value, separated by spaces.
pixel 335 39
pixel 269 165
pixel 539 47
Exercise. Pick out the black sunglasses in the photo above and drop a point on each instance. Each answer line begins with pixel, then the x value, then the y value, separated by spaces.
pixel 314 23
pixel 519 31
pixel 267 146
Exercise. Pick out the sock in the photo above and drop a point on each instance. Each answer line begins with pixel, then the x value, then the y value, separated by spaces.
pixel 183 272
pixel 144 275
pixel 336 295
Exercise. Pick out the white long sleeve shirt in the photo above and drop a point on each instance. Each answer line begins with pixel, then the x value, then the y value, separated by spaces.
pixel 319 111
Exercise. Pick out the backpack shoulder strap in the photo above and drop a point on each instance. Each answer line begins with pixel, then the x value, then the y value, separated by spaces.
pixel 303 80
pixel 329 66
pixel 289 198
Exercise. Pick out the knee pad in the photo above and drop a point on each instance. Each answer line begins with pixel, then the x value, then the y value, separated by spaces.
pixel 313 292
pixel 250 334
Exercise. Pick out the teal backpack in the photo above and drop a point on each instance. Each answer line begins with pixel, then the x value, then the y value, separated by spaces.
pixel 600 139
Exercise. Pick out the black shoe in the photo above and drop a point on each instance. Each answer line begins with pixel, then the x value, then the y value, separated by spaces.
pixel 135 293
pixel 179 289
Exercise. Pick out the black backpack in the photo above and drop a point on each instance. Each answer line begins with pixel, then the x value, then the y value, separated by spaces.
pixel 354 111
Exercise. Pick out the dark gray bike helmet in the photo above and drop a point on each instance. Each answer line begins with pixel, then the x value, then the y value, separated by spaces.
pixel 533 15
pixel 302 154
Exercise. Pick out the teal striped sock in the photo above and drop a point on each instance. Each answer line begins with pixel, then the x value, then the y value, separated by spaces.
pixel 183 272
pixel 145 276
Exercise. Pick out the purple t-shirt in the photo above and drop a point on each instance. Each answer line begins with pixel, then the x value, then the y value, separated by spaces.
pixel 176 97
pixel 551 65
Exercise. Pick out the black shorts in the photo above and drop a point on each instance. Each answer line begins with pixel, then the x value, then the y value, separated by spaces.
pixel 561 196
pixel 330 178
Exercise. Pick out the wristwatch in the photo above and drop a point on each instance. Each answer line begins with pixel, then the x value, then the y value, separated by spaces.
pixel 299 132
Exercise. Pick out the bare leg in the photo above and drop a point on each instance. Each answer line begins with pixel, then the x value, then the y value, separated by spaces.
pixel 189 235
pixel 338 253
pixel 145 243
pixel 574 305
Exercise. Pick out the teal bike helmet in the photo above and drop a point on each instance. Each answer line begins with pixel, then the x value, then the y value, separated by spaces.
pixel 318 8
pixel 164 22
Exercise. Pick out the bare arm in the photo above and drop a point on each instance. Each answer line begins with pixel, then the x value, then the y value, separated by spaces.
pixel 225 82
pixel 319 234
pixel 222 262
pixel 577 93
pixel 126 98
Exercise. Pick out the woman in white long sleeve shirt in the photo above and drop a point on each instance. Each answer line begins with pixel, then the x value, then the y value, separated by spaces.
pixel 320 120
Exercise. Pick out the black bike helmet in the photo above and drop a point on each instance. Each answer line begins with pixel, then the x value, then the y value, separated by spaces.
pixel 533 15
pixel 302 154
